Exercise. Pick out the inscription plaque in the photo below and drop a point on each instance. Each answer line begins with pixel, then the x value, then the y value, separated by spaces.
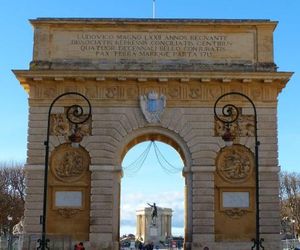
pixel 153 231
pixel 236 199
pixel 68 199
pixel 149 46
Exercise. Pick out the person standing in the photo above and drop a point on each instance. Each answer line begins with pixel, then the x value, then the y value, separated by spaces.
pixel 79 246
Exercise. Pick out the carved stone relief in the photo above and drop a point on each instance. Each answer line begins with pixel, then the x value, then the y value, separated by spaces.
pixel 235 163
pixel 60 126
pixel 111 92
pixel 256 93
pixel 49 92
pixel 242 127
pixel 92 92
pixel 68 212
pixel 69 164
pixel 195 93
pixel 185 91
pixel 131 92
pixel 174 92
pixel 235 213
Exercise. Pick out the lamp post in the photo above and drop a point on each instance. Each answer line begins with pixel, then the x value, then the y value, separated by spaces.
pixel 10 238
pixel 293 228
pixel 75 116
pixel 230 114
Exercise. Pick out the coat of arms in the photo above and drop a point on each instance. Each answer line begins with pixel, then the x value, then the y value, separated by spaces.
pixel 152 106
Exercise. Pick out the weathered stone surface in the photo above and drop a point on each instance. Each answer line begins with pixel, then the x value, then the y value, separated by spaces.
pixel 101 213
pixel 100 237
pixel 203 191
pixel 203 214
pixel 101 198
pixel 101 205
pixel 190 62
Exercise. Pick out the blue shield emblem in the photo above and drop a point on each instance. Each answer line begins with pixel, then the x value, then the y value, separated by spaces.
pixel 152 106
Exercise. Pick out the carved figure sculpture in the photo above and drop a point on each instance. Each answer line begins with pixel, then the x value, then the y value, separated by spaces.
pixel 235 164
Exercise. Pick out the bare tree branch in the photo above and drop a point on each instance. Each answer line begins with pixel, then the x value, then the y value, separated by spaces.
pixel 12 194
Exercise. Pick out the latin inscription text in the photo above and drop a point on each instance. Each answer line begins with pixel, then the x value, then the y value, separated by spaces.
pixel 153 46
pixel 148 45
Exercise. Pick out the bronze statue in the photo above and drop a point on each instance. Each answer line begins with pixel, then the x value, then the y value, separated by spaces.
pixel 153 213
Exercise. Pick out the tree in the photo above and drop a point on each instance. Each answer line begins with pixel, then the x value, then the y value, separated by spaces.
pixel 290 202
pixel 12 195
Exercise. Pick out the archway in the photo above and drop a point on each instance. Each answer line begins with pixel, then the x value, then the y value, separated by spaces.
pixel 155 188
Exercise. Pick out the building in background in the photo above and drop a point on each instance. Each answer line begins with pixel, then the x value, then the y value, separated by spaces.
pixel 146 231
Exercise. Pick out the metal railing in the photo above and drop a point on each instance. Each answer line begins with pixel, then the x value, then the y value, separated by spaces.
pixel 290 244
pixel 29 241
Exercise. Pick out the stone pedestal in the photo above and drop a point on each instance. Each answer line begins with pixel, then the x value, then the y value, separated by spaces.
pixel 153 234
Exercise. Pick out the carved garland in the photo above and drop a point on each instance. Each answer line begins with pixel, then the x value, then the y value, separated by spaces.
pixel 67 212
pixel 235 213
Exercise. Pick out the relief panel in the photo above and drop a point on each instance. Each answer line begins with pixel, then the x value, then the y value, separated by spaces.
pixel 69 192
pixel 235 194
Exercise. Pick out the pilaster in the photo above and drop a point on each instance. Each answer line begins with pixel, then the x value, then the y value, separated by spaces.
pixel 104 214
pixel 203 206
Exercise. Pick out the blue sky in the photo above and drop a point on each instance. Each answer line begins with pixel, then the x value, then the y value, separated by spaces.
pixel 152 184
pixel 16 51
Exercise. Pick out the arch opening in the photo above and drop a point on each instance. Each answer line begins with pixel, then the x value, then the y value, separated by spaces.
pixel 149 185
pixel 155 137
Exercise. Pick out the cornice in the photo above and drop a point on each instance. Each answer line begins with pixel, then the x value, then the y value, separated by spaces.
pixel 149 22
pixel 143 76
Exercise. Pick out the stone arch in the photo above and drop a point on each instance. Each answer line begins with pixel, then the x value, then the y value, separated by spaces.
pixel 174 140
pixel 156 133
pixel 191 83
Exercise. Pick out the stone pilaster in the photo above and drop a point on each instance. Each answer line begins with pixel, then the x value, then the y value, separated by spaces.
pixel 34 198
pixel 104 214
pixel 203 207
pixel 188 220
pixel 269 207
pixel 33 202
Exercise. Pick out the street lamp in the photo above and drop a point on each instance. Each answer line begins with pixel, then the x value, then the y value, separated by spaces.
pixel 293 223
pixel 75 116
pixel 9 218
pixel 230 114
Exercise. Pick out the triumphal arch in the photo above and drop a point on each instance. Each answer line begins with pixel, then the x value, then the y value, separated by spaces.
pixel 154 79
